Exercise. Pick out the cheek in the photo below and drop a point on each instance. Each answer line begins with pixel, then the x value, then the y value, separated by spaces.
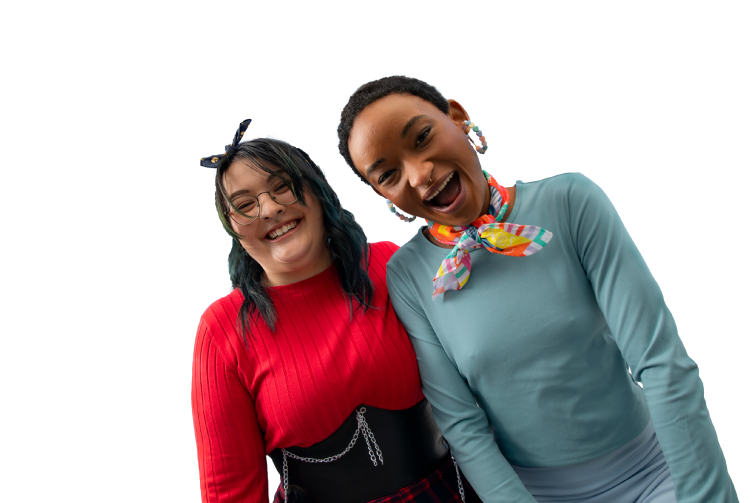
pixel 317 222
pixel 313 213
pixel 247 236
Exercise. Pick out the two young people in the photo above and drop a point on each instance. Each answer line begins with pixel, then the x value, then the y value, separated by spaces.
pixel 524 307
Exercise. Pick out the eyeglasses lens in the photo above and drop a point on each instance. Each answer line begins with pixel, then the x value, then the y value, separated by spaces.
pixel 248 207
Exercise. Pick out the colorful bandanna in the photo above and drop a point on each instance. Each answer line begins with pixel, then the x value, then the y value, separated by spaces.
pixel 487 231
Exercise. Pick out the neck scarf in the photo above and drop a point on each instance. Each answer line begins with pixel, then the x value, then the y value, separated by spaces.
pixel 487 231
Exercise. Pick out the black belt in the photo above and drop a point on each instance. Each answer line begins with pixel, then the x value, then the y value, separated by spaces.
pixel 409 441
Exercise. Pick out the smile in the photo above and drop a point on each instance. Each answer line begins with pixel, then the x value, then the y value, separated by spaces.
pixel 283 229
pixel 446 196
pixel 448 179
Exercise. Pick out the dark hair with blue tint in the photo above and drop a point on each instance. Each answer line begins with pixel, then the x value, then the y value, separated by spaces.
pixel 347 241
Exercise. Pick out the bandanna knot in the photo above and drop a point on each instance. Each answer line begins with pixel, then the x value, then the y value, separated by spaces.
pixel 486 232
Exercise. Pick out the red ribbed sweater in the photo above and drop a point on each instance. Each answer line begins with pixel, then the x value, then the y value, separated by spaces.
pixel 296 386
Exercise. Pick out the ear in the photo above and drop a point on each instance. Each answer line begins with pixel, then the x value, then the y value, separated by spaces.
pixel 457 113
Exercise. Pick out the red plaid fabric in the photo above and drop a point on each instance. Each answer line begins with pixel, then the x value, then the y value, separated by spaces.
pixel 440 486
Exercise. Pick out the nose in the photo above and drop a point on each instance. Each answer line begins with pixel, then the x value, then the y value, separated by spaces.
pixel 418 172
pixel 269 207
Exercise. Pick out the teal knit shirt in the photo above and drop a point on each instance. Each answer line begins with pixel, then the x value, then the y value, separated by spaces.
pixel 528 363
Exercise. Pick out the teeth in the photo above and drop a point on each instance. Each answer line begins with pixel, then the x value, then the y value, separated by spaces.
pixel 442 186
pixel 282 230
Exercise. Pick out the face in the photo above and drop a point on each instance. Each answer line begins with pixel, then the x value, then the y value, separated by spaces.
pixel 288 241
pixel 419 158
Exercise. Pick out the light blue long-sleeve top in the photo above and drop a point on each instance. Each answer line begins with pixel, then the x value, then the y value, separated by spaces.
pixel 527 364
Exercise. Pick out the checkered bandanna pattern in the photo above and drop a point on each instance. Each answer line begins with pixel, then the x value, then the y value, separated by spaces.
pixel 486 232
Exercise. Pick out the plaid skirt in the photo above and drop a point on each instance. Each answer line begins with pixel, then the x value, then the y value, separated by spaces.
pixel 440 486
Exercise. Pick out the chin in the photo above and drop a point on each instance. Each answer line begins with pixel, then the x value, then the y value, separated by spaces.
pixel 455 220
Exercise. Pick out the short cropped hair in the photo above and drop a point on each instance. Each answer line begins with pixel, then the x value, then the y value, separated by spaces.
pixel 373 91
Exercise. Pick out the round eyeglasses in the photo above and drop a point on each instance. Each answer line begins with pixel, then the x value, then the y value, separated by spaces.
pixel 245 209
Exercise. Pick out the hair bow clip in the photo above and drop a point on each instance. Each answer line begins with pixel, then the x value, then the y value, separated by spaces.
pixel 213 160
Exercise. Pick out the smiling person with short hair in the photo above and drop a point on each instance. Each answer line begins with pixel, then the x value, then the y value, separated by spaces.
pixel 526 306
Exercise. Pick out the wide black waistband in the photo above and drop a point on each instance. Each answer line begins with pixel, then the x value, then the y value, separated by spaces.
pixel 409 440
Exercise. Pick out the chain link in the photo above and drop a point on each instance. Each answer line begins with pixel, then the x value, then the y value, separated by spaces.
pixel 458 479
pixel 361 428
pixel 369 438
pixel 372 438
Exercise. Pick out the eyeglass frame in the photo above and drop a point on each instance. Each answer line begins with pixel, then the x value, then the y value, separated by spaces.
pixel 259 202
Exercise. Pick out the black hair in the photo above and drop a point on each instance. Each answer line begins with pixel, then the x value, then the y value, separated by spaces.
pixel 373 91
pixel 347 241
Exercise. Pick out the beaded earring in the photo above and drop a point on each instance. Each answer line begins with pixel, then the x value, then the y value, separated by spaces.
pixel 468 126
pixel 396 212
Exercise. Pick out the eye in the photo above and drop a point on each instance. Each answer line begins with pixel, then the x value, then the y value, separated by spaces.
pixel 246 205
pixel 385 176
pixel 422 136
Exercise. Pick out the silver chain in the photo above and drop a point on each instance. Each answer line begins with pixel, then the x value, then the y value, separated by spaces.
pixel 361 427
pixel 458 479
pixel 369 438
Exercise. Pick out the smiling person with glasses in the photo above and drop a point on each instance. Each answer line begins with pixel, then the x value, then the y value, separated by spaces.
pixel 305 360
pixel 527 305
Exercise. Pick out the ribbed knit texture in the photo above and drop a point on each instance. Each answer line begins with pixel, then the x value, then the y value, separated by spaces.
pixel 296 386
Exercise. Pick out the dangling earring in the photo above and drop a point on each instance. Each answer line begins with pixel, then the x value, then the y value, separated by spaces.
pixel 395 212
pixel 469 126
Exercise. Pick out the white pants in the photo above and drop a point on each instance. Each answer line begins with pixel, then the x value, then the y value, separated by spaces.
pixel 634 473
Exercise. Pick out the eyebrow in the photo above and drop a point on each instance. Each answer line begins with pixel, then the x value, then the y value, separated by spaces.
pixel 246 191
pixel 404 131
pixel 410 124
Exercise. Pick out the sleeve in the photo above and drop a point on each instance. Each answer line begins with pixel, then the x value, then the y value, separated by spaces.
pixel 646 335
pixel 464 425
pixel 230 446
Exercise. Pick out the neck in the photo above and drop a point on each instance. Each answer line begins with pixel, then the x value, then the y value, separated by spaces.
pixel 291 277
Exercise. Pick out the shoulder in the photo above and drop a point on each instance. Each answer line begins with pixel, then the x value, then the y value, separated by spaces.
pixel 224 307
pixel 409 255
pixel 567 192
pixel 581 193
pixel 577 184
pixel 380 254
pixel 382 251
pixel 218 324
pixel 231 300
pixel 566 184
